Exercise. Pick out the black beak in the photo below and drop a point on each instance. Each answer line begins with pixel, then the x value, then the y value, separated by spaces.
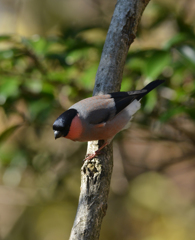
pixel 57 134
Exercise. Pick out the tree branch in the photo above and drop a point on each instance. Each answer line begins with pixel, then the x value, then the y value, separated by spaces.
pixel 96 174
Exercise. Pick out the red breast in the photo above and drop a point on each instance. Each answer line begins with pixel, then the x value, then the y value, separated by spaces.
pixel 76 129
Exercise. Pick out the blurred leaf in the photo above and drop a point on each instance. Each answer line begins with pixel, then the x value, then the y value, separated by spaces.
pixel 185 27
pixel 60 75
pixel 8 132
pixel 34 86
pixel 193 94
pixel 6 54
pixel 155 63
pixel 5 37
pixel 172 112
pixel 126 84
pixel 150 101
pixel 188 54
pixel 9 86
pixel 179 38
pixel 48 88
pixel 39 45
pixel 136 62
pixel 88 77
pixel 39 108
pixel 76 55
pixel 191 112
pixel 60 57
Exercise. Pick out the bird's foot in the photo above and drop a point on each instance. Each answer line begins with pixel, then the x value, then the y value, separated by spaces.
pixel 91 156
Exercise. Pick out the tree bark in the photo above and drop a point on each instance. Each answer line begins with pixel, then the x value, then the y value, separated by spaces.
pixel 96 174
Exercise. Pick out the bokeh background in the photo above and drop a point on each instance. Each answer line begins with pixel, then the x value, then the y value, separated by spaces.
pixel 49 54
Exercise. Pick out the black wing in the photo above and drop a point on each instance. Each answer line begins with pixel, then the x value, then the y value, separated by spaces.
pixel 123 99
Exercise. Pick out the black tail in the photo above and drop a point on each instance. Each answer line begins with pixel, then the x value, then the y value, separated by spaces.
pixel 149 88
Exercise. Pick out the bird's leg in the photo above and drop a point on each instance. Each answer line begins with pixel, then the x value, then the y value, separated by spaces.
pixel 99 150
pixel 91 156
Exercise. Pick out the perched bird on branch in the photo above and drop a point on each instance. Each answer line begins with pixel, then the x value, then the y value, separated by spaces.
pixel 100 117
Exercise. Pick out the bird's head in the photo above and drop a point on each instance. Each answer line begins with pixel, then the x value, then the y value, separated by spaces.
pixel 62 124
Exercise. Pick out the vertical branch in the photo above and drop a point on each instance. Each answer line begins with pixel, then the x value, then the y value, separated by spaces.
pixel 96 174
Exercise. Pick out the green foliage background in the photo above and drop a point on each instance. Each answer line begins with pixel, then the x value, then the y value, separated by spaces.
pixel 152 197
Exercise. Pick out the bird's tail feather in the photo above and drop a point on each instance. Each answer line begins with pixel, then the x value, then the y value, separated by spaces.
pixel 149 88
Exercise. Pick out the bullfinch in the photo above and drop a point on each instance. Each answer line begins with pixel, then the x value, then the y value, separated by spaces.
pixel 100 117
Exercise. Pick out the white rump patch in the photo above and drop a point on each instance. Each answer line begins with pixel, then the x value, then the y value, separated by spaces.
pixel 133 107
pixel 131 110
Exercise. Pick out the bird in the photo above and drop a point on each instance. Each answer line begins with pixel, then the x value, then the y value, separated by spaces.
pixel 100 117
